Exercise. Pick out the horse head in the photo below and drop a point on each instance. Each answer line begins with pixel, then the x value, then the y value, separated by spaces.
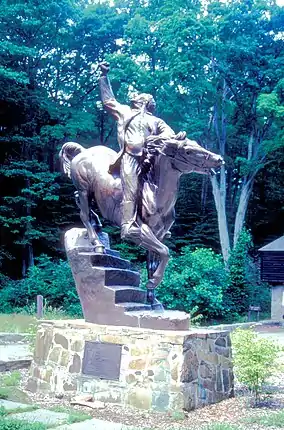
pixel 188 156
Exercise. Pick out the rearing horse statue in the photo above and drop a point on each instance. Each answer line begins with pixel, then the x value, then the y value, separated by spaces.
pixel 89 171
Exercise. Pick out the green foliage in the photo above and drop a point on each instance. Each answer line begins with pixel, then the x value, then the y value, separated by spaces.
pixel 11 380
pixel 254 359
pixel 244 286
pixel 237 292
pixel 11 424
pixel 217 75
pixel 221 426
pixel 17 323
pixel 194 282
pixel 51 279
pixel 269 419
pixel 4 393
pixel 74 416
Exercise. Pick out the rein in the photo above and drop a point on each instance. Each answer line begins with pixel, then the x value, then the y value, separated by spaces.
pixel 173 155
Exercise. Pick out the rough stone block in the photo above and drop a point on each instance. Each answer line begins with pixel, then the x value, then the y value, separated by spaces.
pixel 55 354
pixel 159 369
pixel 160 400
pixel 43 344
pixel 76 365
pixel 61 340
pixel 140 398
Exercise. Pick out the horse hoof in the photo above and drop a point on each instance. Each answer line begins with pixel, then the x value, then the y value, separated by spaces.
pixel 150 296
pixel 99 249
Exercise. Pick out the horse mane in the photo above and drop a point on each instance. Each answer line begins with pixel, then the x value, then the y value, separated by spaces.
pixel 68 151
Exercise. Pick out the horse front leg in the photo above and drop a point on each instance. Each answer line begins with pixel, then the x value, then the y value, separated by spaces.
pixel 82 201
pixel 152 263
pixel 151 243
pixel 143 236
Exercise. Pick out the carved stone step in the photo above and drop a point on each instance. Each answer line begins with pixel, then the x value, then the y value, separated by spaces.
pixel 121 277
pixel 90 251
pixel 105 260
pixel 132 306
pixel 128 294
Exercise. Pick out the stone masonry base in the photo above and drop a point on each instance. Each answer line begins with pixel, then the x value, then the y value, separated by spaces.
pixel 159 370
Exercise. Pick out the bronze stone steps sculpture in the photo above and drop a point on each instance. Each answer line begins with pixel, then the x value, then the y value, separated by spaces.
pixel 109 289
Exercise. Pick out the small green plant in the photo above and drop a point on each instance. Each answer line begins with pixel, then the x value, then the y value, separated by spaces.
pixel 3 411
pixel 12 380
pixel 177 416
pixel 3 393
pixel 74 416
pixel 272 419
pixel 77 417
pixel 10 424
pixel 254 359
pixel 221 426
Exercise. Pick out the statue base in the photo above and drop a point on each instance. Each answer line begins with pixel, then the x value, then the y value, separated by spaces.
pixel 109 291
pixel 148 369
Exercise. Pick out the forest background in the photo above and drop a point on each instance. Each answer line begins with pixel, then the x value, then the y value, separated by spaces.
pixel 216 71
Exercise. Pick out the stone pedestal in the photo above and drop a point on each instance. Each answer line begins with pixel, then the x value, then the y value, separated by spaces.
pixel 147 369
pixel 277 302
pixel 109 288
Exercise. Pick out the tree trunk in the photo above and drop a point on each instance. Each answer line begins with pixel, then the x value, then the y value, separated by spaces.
pixel 220 203
pixel 242 208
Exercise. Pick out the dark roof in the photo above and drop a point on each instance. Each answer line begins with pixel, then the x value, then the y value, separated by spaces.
pixel 276 245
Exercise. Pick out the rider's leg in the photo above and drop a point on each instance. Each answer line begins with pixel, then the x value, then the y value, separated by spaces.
pixel 130 187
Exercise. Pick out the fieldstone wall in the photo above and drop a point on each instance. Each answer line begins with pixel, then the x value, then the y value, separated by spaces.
pixel 160 370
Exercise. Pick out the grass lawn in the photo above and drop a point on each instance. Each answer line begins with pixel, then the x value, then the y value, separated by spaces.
pixel 16 323
pixel 270 419
pixel 24 323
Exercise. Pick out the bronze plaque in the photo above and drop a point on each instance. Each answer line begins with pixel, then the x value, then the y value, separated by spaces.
pixel 102 360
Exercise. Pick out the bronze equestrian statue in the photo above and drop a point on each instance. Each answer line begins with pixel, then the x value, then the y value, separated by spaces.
pixel 137 188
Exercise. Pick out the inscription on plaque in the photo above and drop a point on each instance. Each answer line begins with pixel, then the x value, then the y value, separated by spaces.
pixel 102 360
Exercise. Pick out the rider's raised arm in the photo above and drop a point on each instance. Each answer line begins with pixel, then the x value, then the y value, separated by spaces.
pixel 116 109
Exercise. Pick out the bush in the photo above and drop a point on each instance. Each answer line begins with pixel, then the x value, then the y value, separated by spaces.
pixel 194 280
pixel 254 359
pixel 244 285
pixel 51 279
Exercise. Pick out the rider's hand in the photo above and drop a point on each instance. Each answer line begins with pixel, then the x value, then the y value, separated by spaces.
pixel 104 66
pixel 181 135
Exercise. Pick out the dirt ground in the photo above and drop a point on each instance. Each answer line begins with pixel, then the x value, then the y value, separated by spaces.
pixel 232 411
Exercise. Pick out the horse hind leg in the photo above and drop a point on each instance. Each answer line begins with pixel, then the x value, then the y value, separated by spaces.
pixel 82 201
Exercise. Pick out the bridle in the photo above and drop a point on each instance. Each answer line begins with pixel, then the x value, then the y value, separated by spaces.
pixel 174 149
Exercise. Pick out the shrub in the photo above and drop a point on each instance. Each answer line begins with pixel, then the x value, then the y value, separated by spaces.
pixel 51 279
pixel 254 359
pixel 244 285
pixel 194 280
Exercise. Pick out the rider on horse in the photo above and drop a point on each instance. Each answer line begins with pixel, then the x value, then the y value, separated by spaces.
pixel 134 124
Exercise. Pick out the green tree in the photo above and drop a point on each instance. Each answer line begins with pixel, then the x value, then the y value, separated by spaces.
pixel 195 282
pixel 215 75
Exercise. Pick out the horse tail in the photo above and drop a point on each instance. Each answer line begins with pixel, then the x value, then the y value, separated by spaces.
pixel 68 151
